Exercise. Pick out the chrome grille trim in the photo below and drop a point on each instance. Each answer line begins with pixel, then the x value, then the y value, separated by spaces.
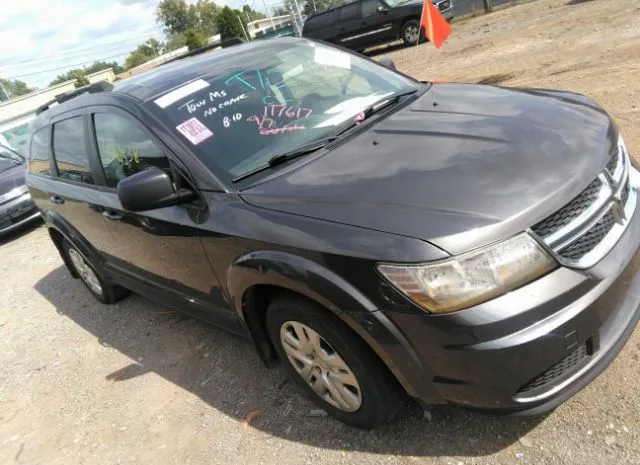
pixel 616 199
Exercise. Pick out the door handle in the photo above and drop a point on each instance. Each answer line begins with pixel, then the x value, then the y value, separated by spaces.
pixel 111 215
pixel 57 199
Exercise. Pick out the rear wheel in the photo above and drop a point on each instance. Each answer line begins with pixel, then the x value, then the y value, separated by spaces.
pixel 411 31
pixel 332 364
pixel 99 287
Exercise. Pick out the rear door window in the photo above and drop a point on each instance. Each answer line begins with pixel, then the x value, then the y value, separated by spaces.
pixel 370 8
pixel 125 148
pixel 350 12
pixel 70 150
pixel 39 153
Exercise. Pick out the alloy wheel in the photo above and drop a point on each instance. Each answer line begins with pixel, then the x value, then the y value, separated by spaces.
pixel 411 34
pixel 321 366
pixel 85 271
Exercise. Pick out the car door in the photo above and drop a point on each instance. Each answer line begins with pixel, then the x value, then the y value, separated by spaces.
pixel 72 190
pixel 376 23
pixel 159 250
pixel 350 29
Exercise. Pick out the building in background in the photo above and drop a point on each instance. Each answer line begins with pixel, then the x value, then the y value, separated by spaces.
pixel 15 114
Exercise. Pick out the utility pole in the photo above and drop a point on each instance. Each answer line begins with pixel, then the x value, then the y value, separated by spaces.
pixel 243 30
pixel 4 91
pixel 266 8
pixel 298 18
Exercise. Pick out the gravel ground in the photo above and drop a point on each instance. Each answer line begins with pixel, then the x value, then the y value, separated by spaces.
pixel 135 382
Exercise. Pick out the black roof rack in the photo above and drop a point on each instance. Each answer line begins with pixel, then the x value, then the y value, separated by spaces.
pixel 224 44
pixel 101 86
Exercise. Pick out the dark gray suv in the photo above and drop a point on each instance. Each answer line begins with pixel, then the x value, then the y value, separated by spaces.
pixel 380 236
pixel 364 23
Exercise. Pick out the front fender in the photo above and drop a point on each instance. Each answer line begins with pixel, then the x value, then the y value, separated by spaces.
pixel 297 274
pixel 310 279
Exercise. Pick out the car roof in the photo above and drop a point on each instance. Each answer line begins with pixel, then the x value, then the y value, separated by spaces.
pixel 144 86
pixel 329 10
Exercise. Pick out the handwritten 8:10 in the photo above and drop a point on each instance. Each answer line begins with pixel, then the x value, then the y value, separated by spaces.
pixel 226 121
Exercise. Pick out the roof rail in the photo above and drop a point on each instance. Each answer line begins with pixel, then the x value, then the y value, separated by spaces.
pixel 224 44
pixel 100 86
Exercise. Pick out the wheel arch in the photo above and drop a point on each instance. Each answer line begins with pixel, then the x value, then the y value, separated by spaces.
pixel 59 230
pixel 257 278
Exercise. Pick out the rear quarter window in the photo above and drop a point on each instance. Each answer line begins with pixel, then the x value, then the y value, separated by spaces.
pixel 39 153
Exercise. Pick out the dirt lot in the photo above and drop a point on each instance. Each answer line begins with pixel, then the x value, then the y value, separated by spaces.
pixel 138 383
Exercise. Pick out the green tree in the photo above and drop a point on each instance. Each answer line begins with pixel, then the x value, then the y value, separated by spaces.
pixel 14 88
pixel 81 79
pixel 175 42
pixel 229 25
pixel 176 16
pixel 207 12
pixel 195 40
pixel 146 51
pixel 92 68
pixel 251 13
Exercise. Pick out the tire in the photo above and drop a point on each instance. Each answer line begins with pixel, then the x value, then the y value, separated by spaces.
pixel 374 398
pixel 101 289
pixel 409 31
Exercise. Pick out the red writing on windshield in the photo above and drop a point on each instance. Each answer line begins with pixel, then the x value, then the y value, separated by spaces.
pixel 273 115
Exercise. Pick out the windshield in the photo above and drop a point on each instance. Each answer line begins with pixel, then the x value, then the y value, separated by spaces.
pixel 9 159
pixel 264 101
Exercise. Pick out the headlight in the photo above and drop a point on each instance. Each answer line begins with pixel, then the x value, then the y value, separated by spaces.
pixel 473 278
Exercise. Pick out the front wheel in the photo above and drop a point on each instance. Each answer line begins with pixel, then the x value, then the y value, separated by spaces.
pixel 332 364
pixel 411 31
pixel 99 287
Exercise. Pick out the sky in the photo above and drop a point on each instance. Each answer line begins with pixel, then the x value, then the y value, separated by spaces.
pixel 40 39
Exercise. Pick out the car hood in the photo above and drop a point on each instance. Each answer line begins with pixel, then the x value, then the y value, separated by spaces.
pixel 12 178
pixel 462 166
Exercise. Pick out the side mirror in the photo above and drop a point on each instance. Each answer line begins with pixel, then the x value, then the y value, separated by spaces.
pixel 151 189
pixel 388 62
pixel 382 9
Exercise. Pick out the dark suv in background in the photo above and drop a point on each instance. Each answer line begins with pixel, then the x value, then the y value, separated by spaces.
pixel 365 23
pixel 459 243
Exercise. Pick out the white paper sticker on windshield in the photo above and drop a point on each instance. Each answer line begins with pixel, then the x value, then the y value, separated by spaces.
pixel 181 92
pixel 326 56
pixel 194 130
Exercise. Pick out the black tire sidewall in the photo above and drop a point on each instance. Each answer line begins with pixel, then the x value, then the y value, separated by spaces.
pixel 110 293
pixel 381 394
pixel 413 22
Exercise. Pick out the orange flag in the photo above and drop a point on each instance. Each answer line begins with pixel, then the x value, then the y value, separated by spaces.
pixel 436 28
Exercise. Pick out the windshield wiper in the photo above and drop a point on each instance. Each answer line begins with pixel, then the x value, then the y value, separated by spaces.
pixel 284 157
pixel 385 102
pixel 318 144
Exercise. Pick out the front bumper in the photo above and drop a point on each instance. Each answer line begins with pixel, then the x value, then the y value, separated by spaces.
pixel 17 212
pixel 533 348
pixel 447 12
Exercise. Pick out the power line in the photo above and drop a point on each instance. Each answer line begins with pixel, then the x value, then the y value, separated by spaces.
pixel 68 66
pixel 76 52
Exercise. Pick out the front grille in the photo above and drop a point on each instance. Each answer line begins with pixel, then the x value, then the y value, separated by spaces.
pixel 590 240
pixel 570 211
pixel 586 228
pixel 15 216
pixel 613 162
pixel 560 370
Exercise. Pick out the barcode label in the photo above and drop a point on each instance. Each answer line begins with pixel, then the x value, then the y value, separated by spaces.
pixel 194 130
